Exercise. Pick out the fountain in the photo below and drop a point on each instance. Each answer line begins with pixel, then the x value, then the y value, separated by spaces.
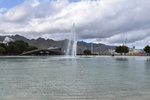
pixel 72 43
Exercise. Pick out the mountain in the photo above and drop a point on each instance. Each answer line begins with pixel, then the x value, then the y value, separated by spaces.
pixel 97 48
pixel 42 43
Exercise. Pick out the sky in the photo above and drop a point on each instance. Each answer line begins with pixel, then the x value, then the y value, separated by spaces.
pixel 112 22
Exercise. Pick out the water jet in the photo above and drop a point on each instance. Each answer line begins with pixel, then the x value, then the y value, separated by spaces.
pixel 72 43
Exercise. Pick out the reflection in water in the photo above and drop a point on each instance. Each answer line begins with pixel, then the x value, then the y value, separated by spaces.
pixel 148 59
pixel 147 64
pixel 121 59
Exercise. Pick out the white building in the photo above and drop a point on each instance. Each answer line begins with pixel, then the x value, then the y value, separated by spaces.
pixel 7 40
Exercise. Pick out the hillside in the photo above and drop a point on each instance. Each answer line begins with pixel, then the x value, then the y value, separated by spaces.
pixel 42 43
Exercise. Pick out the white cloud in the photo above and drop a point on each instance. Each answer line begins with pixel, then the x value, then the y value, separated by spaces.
pixel 128 37
pixel 105 20
pixel 17 13
pixel 2 10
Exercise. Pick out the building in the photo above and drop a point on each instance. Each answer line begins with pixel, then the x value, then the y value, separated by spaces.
pixel 135 52
pixel 44 52
pixel 7 40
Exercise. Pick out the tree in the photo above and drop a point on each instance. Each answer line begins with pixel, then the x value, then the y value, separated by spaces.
pixel 2 45
pixel 2 50
pixel 122 49
pixel 147 49
pixel 87 52
pixel 18 47
pixel 21 45
pixel 12 48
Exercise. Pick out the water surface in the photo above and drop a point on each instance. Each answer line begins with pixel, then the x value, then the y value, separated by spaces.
pixel 83 78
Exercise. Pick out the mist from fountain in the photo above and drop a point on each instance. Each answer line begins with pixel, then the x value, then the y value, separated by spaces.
pixel 72 43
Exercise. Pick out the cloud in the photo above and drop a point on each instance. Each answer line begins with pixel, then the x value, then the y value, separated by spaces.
pixel 18 13
pixel 2 10
pixel 106 20
pixel 128 37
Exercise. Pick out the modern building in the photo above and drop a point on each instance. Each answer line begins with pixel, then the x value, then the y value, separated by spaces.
pixel 7 40
pixel 43 52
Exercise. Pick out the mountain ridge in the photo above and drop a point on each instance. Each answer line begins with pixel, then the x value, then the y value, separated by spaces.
pixel 42 43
